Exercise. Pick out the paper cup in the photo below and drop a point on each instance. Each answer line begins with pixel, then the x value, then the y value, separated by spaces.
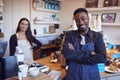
pixel 24 70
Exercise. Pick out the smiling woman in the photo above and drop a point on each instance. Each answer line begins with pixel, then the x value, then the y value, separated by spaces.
pixel 24 40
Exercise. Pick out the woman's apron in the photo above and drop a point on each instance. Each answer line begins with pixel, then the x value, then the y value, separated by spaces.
pixel 77 71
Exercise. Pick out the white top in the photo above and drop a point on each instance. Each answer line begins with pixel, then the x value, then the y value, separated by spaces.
pixel 83 40
pixel 26 47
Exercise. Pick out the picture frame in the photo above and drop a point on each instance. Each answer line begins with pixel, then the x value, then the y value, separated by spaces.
pixel 108 17
pixel 91 3
pixel 110 3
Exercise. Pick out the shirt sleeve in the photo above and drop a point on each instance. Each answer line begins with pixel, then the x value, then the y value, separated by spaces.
pixel 12 44
pixel 37 43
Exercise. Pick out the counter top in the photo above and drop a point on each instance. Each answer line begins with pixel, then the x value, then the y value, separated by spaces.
pixel 57 66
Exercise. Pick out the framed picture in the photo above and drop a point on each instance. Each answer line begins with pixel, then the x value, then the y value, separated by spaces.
pixel 91 3
pixel 108 17
pixel 110 3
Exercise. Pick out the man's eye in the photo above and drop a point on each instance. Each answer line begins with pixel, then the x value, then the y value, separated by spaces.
pixel 83 18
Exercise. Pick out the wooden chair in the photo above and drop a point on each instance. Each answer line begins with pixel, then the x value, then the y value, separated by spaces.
pixel 36 54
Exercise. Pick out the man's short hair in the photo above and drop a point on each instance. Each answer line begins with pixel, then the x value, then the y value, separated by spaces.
pixel 80 10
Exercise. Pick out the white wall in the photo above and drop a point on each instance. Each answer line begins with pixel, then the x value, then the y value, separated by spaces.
pixel 67 9
pixel 112 33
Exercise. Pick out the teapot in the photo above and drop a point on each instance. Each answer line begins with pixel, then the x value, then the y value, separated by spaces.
pixel 34 71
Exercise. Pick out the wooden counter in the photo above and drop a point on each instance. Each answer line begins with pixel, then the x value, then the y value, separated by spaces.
pixel 57 66
pixel 53 66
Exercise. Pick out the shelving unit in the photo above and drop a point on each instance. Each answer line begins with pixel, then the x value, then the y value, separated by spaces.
pixel 111 24
pixel 47 34
pixel 47 10
pixel 103 9
pixel 100 11
pixel 45 13
pixel 46 22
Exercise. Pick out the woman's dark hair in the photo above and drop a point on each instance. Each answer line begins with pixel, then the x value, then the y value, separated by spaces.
pixel 80 10
pixel 28 32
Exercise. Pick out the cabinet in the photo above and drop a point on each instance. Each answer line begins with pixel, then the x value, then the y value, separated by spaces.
pixel 107 10
pixel 45 14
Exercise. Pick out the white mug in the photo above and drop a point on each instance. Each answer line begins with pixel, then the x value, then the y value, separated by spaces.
pixel 24 70
pixel 34 71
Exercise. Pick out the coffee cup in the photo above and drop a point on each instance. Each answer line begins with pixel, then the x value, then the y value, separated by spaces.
pixel 24 70
pixel 34 71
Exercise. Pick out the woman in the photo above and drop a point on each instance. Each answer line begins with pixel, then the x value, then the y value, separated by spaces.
pixel 24 40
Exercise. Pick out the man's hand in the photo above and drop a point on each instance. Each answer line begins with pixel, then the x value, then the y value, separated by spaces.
pixel 93 53
pixel 70 46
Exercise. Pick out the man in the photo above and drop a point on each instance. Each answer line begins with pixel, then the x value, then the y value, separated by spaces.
pixel 83 49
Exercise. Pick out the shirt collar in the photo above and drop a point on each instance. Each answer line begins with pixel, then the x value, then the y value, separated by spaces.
pixel 88 33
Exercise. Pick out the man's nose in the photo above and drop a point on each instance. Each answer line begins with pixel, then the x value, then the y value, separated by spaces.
pixel 81 22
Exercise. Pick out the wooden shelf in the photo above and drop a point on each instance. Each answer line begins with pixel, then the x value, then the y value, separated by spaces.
pixel 103 9
pixel 47 10
pixel 47 34
pixel 111 24
pixel 45 22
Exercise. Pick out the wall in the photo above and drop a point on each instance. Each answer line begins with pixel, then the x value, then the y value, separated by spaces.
pixel 67 9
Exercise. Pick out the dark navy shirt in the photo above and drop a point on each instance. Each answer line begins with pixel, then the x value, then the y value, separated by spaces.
pixel 84 57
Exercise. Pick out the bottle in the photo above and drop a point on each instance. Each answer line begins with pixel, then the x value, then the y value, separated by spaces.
pixel 19 75
pixel 35 32
pixel 20 56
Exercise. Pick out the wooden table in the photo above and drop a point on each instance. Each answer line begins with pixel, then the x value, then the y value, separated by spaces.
pixel 52 66
pixel 57 66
